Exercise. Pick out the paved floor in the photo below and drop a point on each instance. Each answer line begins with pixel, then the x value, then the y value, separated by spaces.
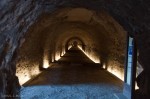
pixel 74 76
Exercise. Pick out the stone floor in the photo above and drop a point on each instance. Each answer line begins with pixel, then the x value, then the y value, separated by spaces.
pixel 74 76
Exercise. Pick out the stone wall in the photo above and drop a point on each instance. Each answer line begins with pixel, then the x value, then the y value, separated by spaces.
pixel 104 40
pixel 17 16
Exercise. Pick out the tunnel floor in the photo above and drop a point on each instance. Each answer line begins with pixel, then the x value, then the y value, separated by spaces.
pixel 74 76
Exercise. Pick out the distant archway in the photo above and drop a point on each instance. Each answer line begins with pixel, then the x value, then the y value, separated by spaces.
pixel 72 40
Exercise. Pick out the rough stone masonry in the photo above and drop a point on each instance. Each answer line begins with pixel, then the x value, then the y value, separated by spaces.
pixel 17 16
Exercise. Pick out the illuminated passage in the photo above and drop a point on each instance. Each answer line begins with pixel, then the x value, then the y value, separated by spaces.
pixel 74 76
pixel 98 36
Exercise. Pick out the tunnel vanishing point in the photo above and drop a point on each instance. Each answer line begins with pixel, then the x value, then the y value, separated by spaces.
pixel 114 34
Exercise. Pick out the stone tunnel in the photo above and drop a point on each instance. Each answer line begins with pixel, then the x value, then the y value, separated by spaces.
pixel 37 37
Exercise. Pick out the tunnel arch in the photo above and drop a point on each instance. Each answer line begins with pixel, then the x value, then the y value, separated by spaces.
pixel 99 32
pixel 133 23
pixel 75 38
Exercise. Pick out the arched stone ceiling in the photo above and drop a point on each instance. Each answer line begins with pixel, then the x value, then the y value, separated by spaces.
pixel 18 15
pixel 104 38
pixel 66 19
pixel 93 27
